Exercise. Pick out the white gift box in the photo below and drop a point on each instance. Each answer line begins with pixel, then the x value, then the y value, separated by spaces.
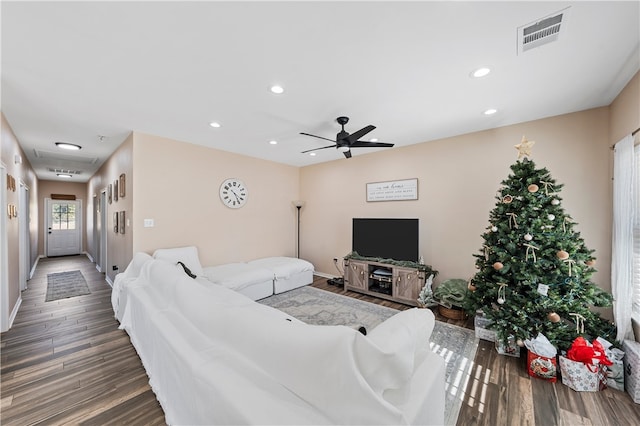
pixel 632 369
pixel 480 324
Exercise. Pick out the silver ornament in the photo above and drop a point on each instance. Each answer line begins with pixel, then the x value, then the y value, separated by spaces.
pixel 500 300
pixel 551 217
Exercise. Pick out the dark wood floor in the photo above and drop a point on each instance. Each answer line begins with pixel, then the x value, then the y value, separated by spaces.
pixel 66 362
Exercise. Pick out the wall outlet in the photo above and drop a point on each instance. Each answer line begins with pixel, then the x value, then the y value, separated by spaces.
pixel 115 267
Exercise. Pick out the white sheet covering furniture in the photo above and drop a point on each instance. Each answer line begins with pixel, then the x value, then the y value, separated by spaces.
pixel 252 281
pixel 255 279
pixel 214 356
pixel 288 272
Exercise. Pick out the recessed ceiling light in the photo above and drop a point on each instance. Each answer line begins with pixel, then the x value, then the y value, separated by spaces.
pixel 214 124
pixel 490 111
pixel 273 142
pixel 313 154
pixel 70 146
pixel 277 89
pixel 480 72
pixel 63 175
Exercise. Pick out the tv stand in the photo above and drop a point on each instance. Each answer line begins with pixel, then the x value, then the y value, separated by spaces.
pixel 400 284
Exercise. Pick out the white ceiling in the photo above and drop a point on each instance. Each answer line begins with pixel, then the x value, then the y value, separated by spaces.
pixel 75 71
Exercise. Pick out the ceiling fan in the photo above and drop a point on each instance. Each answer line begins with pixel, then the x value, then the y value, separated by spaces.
pixel 345 141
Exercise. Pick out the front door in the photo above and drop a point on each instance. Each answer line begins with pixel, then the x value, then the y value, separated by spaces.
pixel 64 224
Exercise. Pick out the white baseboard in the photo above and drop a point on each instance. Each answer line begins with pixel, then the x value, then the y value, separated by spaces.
pixel 33 268
pixel 108 280
pixel 98 268
pixel 15 311
pixel 86 253
pixel 323 275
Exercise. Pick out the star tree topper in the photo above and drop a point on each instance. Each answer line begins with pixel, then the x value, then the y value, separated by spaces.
pixel 524 148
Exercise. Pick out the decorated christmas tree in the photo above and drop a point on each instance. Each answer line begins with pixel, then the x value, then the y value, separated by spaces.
pixel 534 269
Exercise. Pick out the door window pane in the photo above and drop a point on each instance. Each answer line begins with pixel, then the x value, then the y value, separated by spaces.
pixel 63 216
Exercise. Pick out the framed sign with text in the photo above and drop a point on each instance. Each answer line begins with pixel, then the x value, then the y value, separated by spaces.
pixel 394 190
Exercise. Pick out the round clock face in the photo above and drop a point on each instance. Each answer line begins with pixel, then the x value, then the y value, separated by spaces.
pixel 233 193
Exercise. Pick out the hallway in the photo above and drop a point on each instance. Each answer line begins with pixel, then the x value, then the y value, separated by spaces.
pixel 65 361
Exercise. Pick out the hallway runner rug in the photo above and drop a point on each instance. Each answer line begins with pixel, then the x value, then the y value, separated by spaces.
pixel 62 285
pixel 455 344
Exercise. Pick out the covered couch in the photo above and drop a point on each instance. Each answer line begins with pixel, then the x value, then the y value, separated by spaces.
pixel 214 356
pixel 256 279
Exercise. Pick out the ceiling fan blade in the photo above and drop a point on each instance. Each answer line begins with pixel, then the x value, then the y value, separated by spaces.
pixel 319 137
pixel 347 154
pixel 315 149
pixel 364 144
pixel 353 137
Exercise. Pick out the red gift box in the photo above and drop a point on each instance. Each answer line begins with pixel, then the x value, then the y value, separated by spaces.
pixel 542 367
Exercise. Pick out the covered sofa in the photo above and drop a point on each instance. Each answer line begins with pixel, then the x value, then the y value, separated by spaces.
pixel 214 356
pixel 256 279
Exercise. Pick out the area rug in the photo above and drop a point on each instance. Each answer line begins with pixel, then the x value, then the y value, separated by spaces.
pixel 62 285
pixel 456 345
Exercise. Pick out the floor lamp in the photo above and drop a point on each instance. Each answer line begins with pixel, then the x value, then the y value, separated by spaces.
pixel 298 205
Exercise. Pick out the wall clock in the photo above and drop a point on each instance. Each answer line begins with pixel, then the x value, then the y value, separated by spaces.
pixel 233 193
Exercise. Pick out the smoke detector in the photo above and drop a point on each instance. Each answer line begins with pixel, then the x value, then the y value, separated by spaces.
pixel 542 31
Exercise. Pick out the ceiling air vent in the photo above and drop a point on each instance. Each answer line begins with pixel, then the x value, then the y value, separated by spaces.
pixel 543 31
pixel 65 171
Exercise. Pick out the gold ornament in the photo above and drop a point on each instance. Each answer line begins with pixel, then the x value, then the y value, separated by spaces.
pixel 524 148
pixel 590 262
pixel 562 255
pixel 471 287
pixel 497 266
pixel 533 188
pixel 507 199
pixel 553 317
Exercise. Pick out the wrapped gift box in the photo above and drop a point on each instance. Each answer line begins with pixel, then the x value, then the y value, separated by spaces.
pixel 632 369
pixel 511 349
pixel 480 324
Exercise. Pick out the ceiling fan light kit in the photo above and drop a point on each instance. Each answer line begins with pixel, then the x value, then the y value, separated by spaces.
pixel 345 141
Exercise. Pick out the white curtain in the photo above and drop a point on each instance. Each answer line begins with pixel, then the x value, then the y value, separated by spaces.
pixel 622 247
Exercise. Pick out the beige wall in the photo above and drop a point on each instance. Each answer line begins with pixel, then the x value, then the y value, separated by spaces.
pixel 457 179
pixel 625 111
pixel 48 187
pixel 176 184
pixel 119 246
pixel 23 173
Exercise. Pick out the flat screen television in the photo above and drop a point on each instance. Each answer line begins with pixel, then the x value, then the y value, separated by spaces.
pixel 387 238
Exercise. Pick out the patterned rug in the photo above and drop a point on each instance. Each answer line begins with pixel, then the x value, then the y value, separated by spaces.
pixel 456 345
pixel 63 285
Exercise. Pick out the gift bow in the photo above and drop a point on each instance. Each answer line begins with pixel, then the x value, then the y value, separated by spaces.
pixel 589 354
